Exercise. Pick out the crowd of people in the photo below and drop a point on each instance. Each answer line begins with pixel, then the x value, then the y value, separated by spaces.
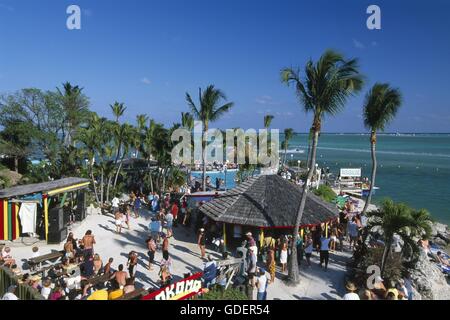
pixel 82 273
pixel 74 277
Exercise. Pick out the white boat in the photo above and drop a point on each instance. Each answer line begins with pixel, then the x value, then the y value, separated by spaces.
pixel 292 151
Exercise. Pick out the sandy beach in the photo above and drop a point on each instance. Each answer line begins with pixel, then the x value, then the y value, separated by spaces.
pixel 315 284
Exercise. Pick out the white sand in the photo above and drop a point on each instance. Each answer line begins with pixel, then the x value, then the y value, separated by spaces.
pixel 315 282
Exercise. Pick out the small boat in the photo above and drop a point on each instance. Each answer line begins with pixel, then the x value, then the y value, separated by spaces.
pixel 291 151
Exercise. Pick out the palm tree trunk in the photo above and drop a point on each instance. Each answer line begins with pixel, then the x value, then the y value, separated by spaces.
pixel 373 141
pixel 293 271
pixel 285 152
pixel 108 187
pixel 16 164
pixel 205 129
pixel 151 182
pixel 93 183
pixel 164 181
pixel 101 188
pixel 118 171
pixel 150 175
pixel 308 155
pixel 387 249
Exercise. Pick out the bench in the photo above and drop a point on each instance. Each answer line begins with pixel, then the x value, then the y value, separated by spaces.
pixel 98 279
pixel 137 293
pixel 52 257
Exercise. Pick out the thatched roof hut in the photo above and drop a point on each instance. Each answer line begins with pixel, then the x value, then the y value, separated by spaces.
pixel 268 201
pixel 44 187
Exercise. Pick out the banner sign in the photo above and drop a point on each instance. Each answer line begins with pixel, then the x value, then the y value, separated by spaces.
pixel 351 172
pixel 180 290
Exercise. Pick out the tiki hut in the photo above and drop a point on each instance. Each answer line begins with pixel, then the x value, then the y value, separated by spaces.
pixel 268 202
pixel 47 198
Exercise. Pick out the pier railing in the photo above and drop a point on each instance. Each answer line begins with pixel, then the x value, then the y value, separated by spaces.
pixel 23 292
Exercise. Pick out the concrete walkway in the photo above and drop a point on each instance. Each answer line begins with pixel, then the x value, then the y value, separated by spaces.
pixel 316 283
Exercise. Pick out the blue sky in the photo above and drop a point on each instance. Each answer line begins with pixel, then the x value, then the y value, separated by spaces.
pixel 148 53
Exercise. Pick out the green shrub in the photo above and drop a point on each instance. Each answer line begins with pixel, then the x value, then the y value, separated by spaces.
pixel 220 294
pixel 326 193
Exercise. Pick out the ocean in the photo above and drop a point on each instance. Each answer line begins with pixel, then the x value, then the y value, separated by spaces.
pixel 412 168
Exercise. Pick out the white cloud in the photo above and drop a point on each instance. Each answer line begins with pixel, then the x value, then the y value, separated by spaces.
pixel 284 114
pixel 358 45
pixel 266 100
pixel 146 81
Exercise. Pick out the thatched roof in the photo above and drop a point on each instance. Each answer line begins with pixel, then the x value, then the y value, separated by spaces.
pixel 267 201
pixel 43 187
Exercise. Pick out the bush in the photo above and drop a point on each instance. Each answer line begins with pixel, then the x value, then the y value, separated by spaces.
pixel 392 271
pixel 326 193
pixel 220 294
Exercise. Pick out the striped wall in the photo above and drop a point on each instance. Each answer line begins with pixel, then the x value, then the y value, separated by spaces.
pixel 9 220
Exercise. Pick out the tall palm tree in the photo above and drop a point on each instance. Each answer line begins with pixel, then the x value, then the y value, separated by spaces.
pixel 399 219
pixel 288 133
pixel 268 120
pixel 326 86
pixel 118 110
pixel 125 134
pixel 75 106
pixel 380 107
pixel 141 120
pixel 208 110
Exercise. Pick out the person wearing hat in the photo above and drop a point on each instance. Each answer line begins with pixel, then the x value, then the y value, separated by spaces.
pixel 11 293
pixel 251 243
pixel 351 295
pixel 201 241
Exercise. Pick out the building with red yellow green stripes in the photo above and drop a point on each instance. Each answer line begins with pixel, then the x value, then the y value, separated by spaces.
pixel 55 194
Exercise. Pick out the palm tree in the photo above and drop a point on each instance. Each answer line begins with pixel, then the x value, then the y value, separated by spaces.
pixel 124 134
pixel 118 110
pixel 268 120
pixel 141 120
pixel 75 106
pixel 90 137
pixel 288 133
pixel 380 107
pixel 398 219
pixel 326 87
pixel 187 121
pixel 208 111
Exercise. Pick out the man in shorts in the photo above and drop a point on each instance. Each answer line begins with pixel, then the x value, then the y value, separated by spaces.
pixel 151 246
pixel 251 267
pixel 88 242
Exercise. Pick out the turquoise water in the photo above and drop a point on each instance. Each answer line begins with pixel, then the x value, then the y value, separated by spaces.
pixel 414 169
pixel 230 179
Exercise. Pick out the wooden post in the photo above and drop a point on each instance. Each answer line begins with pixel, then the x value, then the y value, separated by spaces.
pixel 261 238
pixel 224 237
pixel 46 217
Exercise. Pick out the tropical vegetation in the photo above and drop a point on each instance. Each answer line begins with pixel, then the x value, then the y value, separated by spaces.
pixel 323 90
pixel 380 107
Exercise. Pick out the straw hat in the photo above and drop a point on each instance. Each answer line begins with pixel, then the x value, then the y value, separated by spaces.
pixel 35 278
pixel 351 286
